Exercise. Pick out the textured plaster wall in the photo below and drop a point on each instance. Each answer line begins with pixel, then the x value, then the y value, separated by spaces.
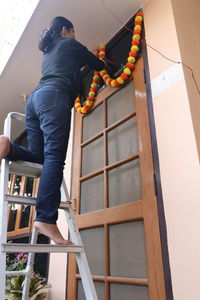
pixel 176 110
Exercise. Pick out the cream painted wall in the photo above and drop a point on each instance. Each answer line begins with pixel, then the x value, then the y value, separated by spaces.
pixel 58 262
pixel 3 20
pixel 160 34
pixel 186 14
pixel 178 154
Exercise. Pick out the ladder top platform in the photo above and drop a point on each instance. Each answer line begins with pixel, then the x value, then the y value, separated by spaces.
pixel 25 168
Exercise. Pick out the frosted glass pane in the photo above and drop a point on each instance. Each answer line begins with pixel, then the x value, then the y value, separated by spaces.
pixel 99 286
pixel 128 292
pixel 93 123
pixel 121 104
pixel 93 241
pixel 122 141
pixel 127 250
pixel 124 183
pixel 92 195
pixel 92 156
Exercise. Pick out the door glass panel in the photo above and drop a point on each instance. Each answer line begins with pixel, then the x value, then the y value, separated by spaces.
pixel 122 141
pixel 92 158
pixel 99 286
pixel 127 250
pixel 92 195
pixel 93 123
pixel 124 183
pixel 121 104
pixel 128 292
pixel 93 241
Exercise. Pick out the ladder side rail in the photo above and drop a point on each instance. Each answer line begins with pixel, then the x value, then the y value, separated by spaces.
pixel 7 124
pixel 3 223
pixel 86 277
pixel 84 269
pixel 4 210
pixel 29 267
pixel 15 116
pixel 64 192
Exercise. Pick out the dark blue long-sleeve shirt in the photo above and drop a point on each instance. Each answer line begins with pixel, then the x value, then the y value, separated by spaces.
pixel 62 64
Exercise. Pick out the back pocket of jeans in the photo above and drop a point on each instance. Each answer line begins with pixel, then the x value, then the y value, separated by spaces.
pixel 46 100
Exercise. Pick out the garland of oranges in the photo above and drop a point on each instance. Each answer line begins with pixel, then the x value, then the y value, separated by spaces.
pixel 103 73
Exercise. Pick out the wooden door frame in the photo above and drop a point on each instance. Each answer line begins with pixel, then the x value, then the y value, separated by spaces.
pixel 149 204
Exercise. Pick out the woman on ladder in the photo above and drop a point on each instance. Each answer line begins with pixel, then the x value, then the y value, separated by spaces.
pixel 48 118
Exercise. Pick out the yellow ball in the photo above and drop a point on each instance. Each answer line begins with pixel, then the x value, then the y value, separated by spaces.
pixel 105 77
pixel 79 109
pixel 136 37
pixel 134 48
pixel 120 80
pixel 103 72
pixel 88 102
pixel 138 27
pixel 131 59
pixel 83 110
pixel 108 81
pixel 138 18
pixel 77 105
pixel 102 52
pixel 96 77
pixel 113 83
pixel 127 71
pixel 91 94
pixel 93 85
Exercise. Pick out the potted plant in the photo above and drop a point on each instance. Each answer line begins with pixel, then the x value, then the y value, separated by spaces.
pixel 14 285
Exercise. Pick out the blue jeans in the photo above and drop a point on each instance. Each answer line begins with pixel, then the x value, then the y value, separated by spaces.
pixel 48 117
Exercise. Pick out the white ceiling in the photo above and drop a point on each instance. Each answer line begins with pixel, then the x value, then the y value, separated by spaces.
pixel 93 23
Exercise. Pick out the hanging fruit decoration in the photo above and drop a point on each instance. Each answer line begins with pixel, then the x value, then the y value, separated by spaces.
pixel 130 65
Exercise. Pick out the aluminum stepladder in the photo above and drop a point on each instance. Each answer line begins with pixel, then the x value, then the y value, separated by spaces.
pixel 33 170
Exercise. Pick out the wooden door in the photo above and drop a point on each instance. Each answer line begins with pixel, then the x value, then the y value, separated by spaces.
pixel 113 186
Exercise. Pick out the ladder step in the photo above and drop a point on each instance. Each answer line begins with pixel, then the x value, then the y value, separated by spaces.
pixel 40 248
pixel 17 273
pixel 32 201
pixel 25 168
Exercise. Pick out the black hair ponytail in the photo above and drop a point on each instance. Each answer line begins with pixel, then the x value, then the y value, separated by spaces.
pixel 48 35
pixel 46 40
